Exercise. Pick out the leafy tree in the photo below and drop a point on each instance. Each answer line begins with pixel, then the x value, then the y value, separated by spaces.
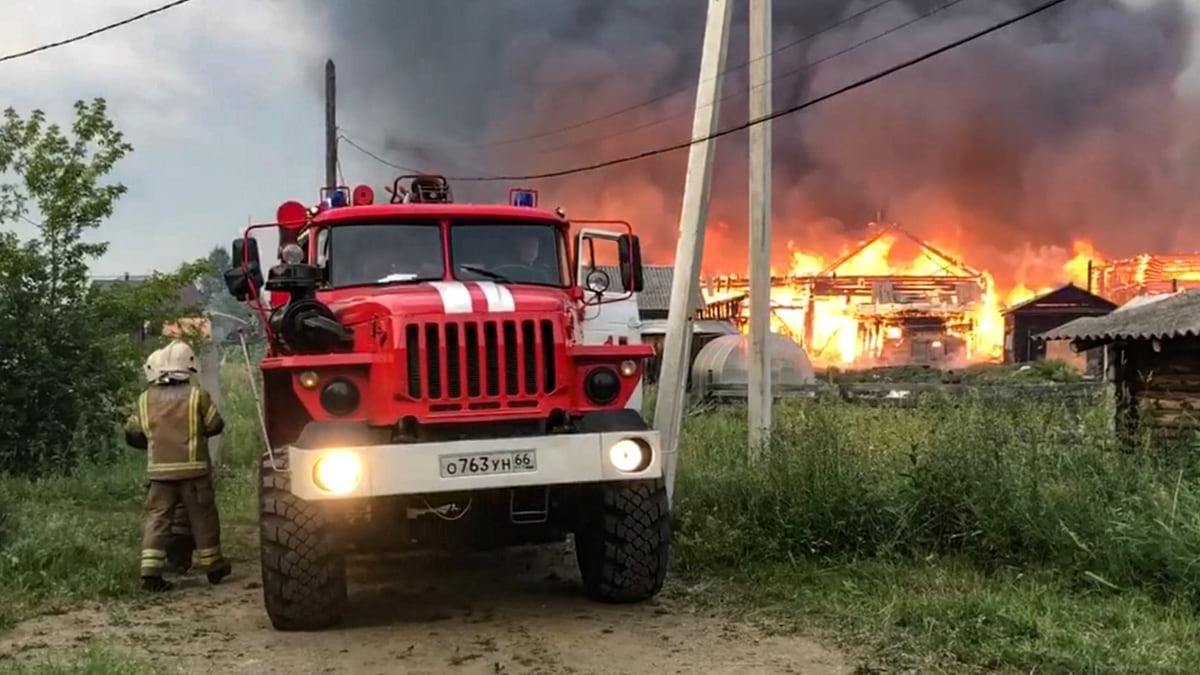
pixel 68 350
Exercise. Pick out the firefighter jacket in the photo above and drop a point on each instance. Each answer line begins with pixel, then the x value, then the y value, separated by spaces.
pixel 172 423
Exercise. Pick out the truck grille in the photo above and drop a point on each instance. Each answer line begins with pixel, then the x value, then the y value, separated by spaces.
pixel 474 359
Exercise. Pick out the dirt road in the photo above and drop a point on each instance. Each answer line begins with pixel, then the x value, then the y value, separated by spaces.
pixel 518 611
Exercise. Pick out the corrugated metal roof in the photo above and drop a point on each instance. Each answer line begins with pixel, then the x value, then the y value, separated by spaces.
pixel 656 296
pixel 1174 316
pixel 701 326
pixel 1143 299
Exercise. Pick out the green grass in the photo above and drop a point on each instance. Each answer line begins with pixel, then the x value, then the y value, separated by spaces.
pixel 84 662
pixel 67 539
pixel 961 535
pixel 76 538
pixel 945 615
pixel 1007 536
pixel 1042 372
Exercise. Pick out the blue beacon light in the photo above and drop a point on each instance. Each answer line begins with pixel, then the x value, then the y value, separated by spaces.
pixel 526 198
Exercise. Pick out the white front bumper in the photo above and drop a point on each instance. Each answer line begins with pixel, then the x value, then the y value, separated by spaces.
pixel 414 468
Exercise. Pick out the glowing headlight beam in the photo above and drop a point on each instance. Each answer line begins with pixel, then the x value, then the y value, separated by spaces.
pixel 338 473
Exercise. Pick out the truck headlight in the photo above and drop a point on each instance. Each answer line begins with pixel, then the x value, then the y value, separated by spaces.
pixel 602 385
pixel 338 473
pixel 340 397
pixel 629 455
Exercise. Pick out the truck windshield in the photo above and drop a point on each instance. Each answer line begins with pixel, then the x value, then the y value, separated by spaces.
pixel 379 253
pixel 522 252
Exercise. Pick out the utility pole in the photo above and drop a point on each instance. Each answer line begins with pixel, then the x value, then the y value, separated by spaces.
pixel 760 399
pixel 693 216
pixel 331 137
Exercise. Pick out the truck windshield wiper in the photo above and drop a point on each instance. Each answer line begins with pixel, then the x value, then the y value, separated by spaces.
pixel 496 276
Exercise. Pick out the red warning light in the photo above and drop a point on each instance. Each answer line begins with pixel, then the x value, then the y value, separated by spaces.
pixel 364 195
pixel 291 215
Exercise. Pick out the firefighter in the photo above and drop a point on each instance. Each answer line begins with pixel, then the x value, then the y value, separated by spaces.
pixel 172 420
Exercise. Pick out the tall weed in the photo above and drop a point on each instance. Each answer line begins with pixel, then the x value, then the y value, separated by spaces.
pixel 1006 483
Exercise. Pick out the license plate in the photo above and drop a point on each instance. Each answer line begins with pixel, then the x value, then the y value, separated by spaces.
pixel 487 463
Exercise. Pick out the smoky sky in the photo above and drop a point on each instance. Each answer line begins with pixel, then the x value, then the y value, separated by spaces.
pixel 1063 127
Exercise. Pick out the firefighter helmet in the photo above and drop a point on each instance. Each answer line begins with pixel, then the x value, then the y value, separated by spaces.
pixel 176 362
pixel 178 357
pixel 152 368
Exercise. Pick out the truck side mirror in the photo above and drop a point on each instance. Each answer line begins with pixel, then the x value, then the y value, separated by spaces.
pixel 630 251
pixel 238 281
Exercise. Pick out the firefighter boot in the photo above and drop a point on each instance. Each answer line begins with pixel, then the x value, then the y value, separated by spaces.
pixel 156 584
pixel 222 570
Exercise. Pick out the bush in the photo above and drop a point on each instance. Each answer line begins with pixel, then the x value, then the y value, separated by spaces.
pixel 1014 484
pixel 68 354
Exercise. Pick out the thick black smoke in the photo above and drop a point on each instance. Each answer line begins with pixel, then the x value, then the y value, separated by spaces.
pixel 1066 126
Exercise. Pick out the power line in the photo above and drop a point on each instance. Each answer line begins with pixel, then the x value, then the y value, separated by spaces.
pixel 349 141
pixel 736 94
pixel 779 113
pixel 663 97
pixel 727 96
pixel 97 31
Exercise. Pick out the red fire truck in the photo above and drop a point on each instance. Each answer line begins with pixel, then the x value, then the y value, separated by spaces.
pixel 449 376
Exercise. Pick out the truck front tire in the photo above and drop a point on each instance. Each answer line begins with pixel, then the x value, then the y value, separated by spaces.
pixel 623 541
pixel 303 568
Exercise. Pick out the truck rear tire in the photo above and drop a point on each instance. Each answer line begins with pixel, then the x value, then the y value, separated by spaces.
pixel 303 567
pixel 623 543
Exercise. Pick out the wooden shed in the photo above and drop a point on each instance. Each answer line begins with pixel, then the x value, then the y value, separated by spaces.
pixel 1024 321
pixel 1153 360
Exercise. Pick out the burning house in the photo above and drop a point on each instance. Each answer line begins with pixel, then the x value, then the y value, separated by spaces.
pixel 856 311
pixel 1121 280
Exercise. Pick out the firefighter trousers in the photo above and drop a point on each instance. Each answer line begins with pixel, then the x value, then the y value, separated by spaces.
pixel 198 500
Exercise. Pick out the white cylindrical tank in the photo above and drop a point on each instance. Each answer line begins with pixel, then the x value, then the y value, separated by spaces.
pixel 723 363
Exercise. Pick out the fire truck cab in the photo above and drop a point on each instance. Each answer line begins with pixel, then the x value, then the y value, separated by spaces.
pixel 436 378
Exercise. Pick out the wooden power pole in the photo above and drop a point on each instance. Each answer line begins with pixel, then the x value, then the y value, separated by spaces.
pixel 331 129
pixel 759 365
pixel 668 409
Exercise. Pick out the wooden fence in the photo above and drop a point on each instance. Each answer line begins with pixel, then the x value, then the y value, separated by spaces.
pixel 909 394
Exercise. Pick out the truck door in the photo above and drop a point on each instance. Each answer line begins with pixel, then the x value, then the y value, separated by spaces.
pixel 611 315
